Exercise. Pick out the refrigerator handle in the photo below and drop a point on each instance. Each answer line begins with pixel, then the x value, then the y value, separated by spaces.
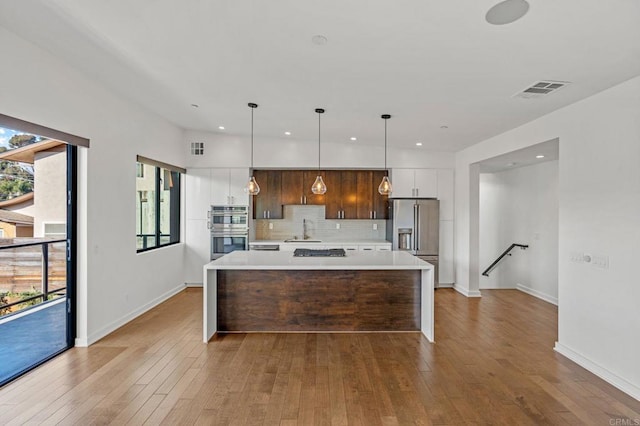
pixel 416 221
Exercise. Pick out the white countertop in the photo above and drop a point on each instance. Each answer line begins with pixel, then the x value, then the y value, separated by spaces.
pixel 283 260
pixel 322 242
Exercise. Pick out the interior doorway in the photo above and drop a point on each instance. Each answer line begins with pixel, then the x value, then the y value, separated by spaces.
pixel 518 221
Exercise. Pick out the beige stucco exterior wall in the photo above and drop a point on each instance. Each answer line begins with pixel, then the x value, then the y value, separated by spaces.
pixel 50 186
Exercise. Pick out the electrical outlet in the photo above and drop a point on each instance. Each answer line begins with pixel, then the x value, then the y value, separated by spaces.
pixel 375 226
pixel 587 258
pixel 270 225
pixel 337 226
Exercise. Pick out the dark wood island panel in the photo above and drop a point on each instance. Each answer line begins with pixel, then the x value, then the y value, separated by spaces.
pixel 318 300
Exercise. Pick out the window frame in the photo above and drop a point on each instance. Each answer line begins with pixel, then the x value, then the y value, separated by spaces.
pixel 175 204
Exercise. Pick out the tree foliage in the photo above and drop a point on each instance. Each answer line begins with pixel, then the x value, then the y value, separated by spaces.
pixel 18 141
pixel 15 178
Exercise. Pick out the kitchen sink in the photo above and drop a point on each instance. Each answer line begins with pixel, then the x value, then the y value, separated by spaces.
pixel 297 240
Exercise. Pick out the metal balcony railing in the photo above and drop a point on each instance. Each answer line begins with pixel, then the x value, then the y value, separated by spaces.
pixel 24 265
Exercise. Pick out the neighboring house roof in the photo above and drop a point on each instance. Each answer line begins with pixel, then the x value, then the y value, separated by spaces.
pixel 13 217
pixel 26 154
pixel 16 200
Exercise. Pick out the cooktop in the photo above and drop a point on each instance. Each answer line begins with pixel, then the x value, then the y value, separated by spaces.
pixel 303 252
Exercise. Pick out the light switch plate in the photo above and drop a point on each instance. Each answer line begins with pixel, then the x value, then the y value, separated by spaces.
pixel 270 225
pixel 337 226
pixel 375 226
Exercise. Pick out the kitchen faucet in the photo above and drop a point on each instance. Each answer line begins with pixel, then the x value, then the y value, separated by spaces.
pixel 304 229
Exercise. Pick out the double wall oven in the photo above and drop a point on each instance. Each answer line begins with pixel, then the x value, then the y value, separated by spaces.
pixel 229 227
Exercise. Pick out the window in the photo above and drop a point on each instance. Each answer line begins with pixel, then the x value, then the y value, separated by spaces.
pixel 157 204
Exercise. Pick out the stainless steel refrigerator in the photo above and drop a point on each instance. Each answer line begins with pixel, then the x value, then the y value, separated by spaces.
pixel 414 226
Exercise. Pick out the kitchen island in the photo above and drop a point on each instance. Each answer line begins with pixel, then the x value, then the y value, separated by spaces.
pixel 273 291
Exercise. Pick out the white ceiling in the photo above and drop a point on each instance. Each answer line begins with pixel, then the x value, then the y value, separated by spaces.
pixel 427 63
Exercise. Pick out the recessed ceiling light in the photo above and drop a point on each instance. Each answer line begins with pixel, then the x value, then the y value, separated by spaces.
pixel 507 11
pixel 287 133
pixel 444 127
pixel 221 127
pixel 319 39
pixel 353 138
pixel 539 156
pixel 418 143
pixel 195 105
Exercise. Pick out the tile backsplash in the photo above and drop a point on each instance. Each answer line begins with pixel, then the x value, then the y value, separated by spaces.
pixel 317 226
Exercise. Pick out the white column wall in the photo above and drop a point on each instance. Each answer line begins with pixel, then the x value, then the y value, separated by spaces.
pixel 599 213
pixel 114 283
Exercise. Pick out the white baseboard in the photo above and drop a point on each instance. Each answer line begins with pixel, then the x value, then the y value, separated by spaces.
pixel 538 294
pixel 598 370
pixel 193 285
pixel 113 326
pixel 466 292
pixel 445 285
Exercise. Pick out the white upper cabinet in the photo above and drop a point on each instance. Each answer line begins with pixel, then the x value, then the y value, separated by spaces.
pixel 238 179
pixel 426 183
pixel 408 183
pixel 402 181
pixel 198 188
pixel 227 186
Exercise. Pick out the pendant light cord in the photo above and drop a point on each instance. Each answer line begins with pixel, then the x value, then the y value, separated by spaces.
pixel 385 144
pixel 318 141
pixel 252 139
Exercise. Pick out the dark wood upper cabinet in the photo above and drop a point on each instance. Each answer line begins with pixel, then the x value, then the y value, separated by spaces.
pixel 333 196
pixel 296 187
pixel 268 203
pixel 380 203
pixel 292 184
pixel 351 194
pixel 341 199
pixel 310 197
pixel 371 205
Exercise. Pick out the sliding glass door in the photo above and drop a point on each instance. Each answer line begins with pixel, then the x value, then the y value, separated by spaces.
pixel 37 250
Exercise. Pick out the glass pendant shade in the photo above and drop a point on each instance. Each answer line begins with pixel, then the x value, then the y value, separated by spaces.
pixel 318 186
pixel 252 187
pixel 385 186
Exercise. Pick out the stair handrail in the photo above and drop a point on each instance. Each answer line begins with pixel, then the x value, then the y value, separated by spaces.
pixel 506 252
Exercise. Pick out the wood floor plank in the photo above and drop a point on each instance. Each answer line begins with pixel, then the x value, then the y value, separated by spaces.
pixel 493 363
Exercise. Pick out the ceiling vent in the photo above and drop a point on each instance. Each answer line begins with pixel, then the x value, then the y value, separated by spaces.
pixel 541 88
pixel 197 148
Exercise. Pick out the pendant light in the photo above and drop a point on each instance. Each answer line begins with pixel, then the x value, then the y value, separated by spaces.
pixel 252 187
pixel 318 186
pixel 385 185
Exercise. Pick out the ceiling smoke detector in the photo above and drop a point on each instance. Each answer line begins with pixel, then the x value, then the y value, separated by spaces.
pixel 541 88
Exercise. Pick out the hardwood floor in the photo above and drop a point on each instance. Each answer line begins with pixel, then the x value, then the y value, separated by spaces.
pixel 493 363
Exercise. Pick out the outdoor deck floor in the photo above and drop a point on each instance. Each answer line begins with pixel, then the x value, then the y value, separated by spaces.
pixel 31 338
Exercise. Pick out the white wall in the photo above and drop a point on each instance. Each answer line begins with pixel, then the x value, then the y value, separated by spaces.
pixel 599 213
pixel 521 206
pixel 231 151
pixel 114 283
